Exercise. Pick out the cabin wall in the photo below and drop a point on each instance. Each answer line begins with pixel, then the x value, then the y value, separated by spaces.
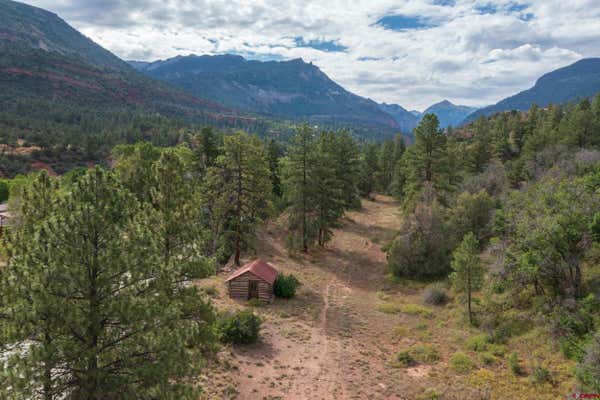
pixel 238 287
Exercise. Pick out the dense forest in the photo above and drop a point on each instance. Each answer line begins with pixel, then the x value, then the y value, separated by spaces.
pixel 97 299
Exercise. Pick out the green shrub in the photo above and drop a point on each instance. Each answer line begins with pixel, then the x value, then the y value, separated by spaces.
pixel 502 325
pixel 588 370
pixel 461 363
pixel 430 394
pixel 541 374
pixel 255 303
pixel 404 358
pixel 488 358
pixel 472 213
pixel 514 365
pixel 479 342
pixel 415 309
pixel 241 327
pixel 435 296
pixel 499 350
pixel 285 286
pixel 388 308
pixel 211 291
pixel 421 250
pixel 425 354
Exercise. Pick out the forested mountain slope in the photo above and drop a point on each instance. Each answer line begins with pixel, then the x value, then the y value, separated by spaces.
pixel 292 89
pixel 44 58
pixel 571 83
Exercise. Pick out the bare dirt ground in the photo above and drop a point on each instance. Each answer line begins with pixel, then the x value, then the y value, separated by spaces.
pixel 337 339
pixel 329 342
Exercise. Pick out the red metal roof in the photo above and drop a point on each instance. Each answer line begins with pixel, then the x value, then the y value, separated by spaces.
pixel 258 267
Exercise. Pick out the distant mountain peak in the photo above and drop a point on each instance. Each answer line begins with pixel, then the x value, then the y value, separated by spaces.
pixel 444 102
pixel 448 113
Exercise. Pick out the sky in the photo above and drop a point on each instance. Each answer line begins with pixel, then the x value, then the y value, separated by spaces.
pixel 409 52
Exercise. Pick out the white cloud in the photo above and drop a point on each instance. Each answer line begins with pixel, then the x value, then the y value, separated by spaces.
pixel 472 55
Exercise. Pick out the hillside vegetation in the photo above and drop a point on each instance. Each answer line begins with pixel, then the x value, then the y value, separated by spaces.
pixel 482 278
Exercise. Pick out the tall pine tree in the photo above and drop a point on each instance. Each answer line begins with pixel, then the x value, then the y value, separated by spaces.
pixel 240 188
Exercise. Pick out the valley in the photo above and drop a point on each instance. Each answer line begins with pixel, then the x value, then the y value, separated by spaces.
pixel 341 334
pixel 299 200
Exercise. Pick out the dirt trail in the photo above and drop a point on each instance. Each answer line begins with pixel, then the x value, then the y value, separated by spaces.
pixel 329 342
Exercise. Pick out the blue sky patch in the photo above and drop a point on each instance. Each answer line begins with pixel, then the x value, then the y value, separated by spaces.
pixel 517 7
pixel 323 45
pixel 526 17
pixel 488 8
pixel 444 3
pixel 403 23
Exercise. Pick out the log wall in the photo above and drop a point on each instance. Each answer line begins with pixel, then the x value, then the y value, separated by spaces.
pixel 238 287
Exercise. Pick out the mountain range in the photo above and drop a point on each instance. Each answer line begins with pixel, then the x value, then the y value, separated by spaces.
pixel 45 59
pixel 46 62
pixel 293 89
pixel 448 114
pixel 568 84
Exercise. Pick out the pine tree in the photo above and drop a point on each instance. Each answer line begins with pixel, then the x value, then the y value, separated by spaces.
pixel 320 180
pixel 177 223
pixel 30 315
pixel 399 147
pixel 240 187
pixel 468 270
pixel 346 164
pixel 328 183
pixel 369 169
pixel 133 165
pixel 386 165
pixel 299 188
pixel 427 163
pixel 207 149
pixel 125 326
pixel 274 153
pixel 479 152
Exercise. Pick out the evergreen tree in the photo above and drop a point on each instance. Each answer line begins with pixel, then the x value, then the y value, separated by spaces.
pixel 346 165
pixel 177 224
pixel 479 153
pixel 468 269
pixel 134 165
pixel 299 188
pixel 207 149
pixel 274 153
pixel 329 197
pixel 387 163
pixel 399 147
pixel 240 187
pixel 124 325
pixel 427 163
pixel 369 169
pixel 30 315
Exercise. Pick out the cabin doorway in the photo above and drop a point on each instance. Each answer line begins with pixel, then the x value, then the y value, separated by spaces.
pixel 252 290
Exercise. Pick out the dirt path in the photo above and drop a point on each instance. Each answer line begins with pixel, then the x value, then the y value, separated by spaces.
pixel 329 342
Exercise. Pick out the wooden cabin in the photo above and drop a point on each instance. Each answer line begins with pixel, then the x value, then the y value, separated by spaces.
pixel 252 281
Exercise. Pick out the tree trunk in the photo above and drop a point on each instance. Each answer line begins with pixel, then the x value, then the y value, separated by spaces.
pixel 92 375
pixel 238 228
pixel 304 230
pixel 48 364
pixel 577 281
pixel 469 296
pixel 469 306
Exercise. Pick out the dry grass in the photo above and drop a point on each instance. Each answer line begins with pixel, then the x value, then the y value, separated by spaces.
pixel 338 338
